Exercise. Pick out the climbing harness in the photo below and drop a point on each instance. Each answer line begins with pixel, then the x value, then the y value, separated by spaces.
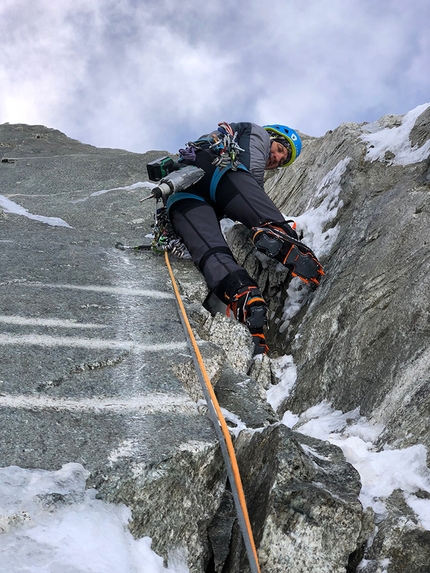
pixel 223 143
pixel 216 177
pixel 221 430
pixel 174 178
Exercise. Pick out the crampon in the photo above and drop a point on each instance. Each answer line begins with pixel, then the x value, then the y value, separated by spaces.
pixel 274 242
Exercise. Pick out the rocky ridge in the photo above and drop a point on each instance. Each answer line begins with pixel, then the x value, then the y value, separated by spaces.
pixel 136 420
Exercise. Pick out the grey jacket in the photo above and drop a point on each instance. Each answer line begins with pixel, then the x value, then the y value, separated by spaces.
pixel 255 141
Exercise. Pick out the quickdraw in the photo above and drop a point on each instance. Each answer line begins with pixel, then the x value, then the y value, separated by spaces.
pixel 226 147
pixel 165 239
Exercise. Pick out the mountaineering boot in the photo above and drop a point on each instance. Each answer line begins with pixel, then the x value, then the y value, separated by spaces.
pixel 249 307
pixel 279 241
pixel 260 346
pixel 244 301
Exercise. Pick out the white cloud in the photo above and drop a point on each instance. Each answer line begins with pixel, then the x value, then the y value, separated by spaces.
pixel 144 75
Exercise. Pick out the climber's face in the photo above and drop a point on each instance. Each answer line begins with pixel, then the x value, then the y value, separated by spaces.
pixel 278 155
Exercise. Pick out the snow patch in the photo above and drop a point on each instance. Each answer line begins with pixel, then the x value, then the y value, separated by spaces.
pixel 396 141
pixel 285 371
pixel 381 472
pixel 50 522
pixel 12 207
pixel 314 223
pixel 139 185
pixel 297 296
pixel 233 419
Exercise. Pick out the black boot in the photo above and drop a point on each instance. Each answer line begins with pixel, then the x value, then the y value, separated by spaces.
pixel 249 307
pixel 279 241
pixel 246 303
pixel 260 346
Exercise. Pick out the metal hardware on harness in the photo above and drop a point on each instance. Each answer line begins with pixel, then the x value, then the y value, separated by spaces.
pixel 226 147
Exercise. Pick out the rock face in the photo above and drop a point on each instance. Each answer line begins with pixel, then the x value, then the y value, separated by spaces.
pixel 303 500
pixel 95 367
pixel 367 334
pixel 361 340
pixel 365 342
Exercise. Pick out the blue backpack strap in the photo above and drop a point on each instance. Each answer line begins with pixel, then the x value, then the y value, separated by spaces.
pixel 216 177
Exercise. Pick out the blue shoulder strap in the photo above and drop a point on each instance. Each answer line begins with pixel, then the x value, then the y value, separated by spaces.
pixel 216 177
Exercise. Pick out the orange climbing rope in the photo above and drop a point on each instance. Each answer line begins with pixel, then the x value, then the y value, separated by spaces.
pixel 221 430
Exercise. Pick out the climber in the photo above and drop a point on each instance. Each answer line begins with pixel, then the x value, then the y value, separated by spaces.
pixel 234 158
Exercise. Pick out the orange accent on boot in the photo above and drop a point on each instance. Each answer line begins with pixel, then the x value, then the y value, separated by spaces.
pixel 288 254
pixel 256 235
pixel 261 343
pixel 255 299
pixel 232 307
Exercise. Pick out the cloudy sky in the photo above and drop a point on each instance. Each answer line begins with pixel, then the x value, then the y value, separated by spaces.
pixel 141 74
